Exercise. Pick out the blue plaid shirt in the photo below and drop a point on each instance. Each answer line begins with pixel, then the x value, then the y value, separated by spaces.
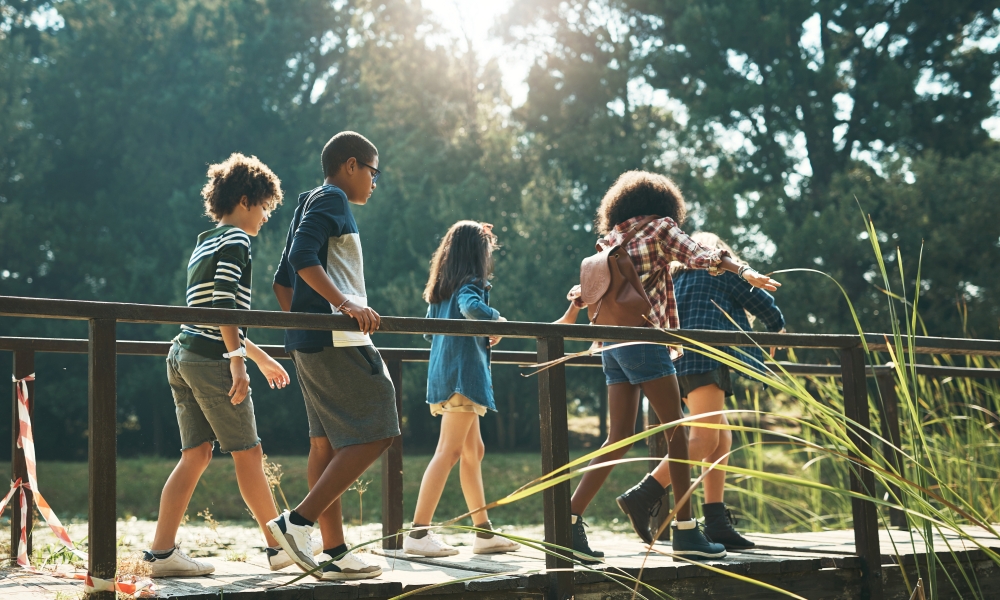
pixel 695 290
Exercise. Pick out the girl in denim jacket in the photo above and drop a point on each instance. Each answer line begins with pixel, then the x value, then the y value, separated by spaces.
pixel 459 385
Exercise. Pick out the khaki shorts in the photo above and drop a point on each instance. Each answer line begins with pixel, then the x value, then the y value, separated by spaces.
pixel 457 403
pixel 201 387
pixel 349 396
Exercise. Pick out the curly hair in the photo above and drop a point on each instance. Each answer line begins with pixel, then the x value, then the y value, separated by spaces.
pixel 637 194
pixel 465 254
pixel 239 176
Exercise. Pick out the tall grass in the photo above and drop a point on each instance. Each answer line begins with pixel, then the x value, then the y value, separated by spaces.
pixel 948 461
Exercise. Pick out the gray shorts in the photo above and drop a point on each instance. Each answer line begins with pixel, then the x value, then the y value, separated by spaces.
pixel 201 396
pixel 349 397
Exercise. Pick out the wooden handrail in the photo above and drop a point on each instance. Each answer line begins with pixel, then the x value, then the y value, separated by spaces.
pixel 102 348
pixel 16 306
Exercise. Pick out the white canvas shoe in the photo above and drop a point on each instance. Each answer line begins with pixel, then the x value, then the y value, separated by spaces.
pixel 177 564
pixel 278 560
pixel 350 566
pixel 494 545
pixel 296 541
pixel 429 545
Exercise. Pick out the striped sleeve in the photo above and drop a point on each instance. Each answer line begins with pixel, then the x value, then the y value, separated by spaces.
pixel 232 256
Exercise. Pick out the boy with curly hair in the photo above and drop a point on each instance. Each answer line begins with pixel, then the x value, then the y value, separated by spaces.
pixel 206 365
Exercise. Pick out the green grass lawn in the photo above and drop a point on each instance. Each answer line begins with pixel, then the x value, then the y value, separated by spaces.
pixel 64 485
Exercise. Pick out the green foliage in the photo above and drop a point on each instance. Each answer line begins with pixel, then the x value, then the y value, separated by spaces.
pixel 110 111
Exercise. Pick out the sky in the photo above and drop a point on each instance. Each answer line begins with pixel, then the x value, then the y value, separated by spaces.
pixel 472 19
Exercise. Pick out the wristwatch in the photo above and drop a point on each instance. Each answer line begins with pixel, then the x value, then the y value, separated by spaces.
pixel 242 352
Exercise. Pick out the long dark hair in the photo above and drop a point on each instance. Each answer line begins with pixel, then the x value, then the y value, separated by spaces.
pixel 465 254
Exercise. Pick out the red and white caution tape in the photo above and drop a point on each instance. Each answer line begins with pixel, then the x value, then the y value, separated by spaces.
pixel 93 584
pixel 26 442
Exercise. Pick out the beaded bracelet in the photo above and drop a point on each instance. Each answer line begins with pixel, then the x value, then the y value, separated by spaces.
pixel 742 272
pixel 340 308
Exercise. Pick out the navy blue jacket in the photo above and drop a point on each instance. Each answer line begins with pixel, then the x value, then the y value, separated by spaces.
pixel 695 291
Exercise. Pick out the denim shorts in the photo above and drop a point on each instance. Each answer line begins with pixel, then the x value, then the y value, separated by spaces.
pixel 637 363
pixel 205 413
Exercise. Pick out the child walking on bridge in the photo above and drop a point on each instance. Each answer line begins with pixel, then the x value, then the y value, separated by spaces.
pixel 649 207
pixel 206 366
pixel 705 302
pixel 459 386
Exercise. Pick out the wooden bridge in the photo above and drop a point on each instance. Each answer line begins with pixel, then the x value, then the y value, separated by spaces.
pixel 829 565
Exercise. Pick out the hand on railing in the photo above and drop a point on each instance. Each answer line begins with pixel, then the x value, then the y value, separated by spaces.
pixel 368 320
pixel 495 339
pixel 773 349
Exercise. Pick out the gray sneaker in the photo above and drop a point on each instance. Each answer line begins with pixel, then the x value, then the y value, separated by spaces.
pixel 349 567
pixel 296 540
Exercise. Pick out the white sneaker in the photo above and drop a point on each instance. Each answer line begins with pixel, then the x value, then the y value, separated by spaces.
pixel 494 545
pixel 278 560
pixel 296 541
pixel 177 564
pixel 350 566
pixel 429 545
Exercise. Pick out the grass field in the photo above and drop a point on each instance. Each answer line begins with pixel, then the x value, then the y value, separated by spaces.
pixel 64 485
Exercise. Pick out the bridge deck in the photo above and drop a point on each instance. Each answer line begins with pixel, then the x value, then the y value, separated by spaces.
pixel 813 565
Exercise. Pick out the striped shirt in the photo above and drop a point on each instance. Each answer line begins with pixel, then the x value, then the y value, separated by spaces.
pixel 218 276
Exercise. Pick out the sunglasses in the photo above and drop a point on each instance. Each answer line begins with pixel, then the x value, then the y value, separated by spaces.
pixel 375 172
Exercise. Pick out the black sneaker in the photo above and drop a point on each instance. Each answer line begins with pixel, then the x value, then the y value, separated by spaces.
pixel 640 503
pixel 581 547
pixel 720 527
pixel 689 541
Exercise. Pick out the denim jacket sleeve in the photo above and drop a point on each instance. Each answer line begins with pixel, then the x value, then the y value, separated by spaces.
pixel 427 336
pixel 471 305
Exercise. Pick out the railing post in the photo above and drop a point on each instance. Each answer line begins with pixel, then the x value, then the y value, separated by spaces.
pixel 890 411
pixel 392 470
pixel 658 449
pixel 103 448
pixel 865 513
pixel 24 365
pixel 554 437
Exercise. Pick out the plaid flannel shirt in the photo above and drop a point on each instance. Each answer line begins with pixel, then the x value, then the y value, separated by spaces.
pixel 703 303
pixel 652 250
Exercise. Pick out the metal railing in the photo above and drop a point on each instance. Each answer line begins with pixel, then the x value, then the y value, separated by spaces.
pixel 102 348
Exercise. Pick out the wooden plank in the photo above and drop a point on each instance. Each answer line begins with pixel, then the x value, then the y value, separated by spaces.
pixel 150 313
pixel 553 427
pixel 865 513
pixel 102 456
pixel 890 415
pixel 24 365
pixel 392 469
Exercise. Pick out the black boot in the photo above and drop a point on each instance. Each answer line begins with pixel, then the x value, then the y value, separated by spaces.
pixel 719 522
pixel 640 503
pixel 581 547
